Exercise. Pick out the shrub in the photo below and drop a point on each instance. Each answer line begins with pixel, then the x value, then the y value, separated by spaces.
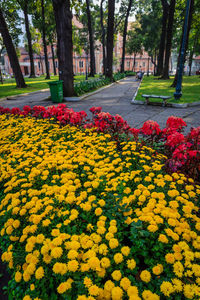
pixel 89 85
pixel 130 73
pixel 118 76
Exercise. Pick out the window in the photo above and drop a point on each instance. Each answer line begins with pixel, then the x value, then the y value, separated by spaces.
pixel 56 63
pixel 128 63
pixel 39 65
pixel 136 64
pixel 143 64
pixel 80 64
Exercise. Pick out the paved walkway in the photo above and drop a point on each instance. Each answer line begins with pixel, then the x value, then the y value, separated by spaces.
pixel 116 99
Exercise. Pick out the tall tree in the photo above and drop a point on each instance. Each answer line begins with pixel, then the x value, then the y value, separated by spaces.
pixel 103 34
pixel 63 17
pixel 110 39
pixel 11 52
pixel 165 9
pixel 187 39
pixel 134 45
pixel 44 40
pixel 91 39
pixel 168 46
pixel 130 2
pixel 24 4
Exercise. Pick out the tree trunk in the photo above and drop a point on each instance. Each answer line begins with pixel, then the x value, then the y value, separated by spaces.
pixel 28 34
pixel 110 37
pixel 165 6
pixel 91 39
pixel 11 52
pixel 169 39
pixel 133 69
pixel 41 64
pixel 1 77
pixel 44 41
pixel 63 17
pixel 103 37
pixel 53 59
pixel 186 44
pixel 192 53
pixel 125 34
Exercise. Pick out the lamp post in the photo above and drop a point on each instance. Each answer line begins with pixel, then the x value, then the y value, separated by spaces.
pixel 148 67
pixel 178 93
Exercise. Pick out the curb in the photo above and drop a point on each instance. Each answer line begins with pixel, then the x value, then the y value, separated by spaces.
pixel 170 104
pixel 133 100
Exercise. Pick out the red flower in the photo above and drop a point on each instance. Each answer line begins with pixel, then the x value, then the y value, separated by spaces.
pixel 175 139
pixel 96 110
pixel 150 127
pixel 175 122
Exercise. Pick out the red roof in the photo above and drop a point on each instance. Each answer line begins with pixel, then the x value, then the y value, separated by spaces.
pixel 197 57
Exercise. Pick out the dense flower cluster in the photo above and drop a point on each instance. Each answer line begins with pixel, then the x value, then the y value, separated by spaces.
pixel 183 152
pixel 80 219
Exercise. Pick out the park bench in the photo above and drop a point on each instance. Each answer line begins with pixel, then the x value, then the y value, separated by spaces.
pixel 164 98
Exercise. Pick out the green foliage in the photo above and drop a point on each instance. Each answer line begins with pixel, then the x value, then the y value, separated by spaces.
pixel 118 76
pixel 83 87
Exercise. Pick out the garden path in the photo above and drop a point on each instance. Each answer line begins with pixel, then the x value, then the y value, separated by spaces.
pixel 116 99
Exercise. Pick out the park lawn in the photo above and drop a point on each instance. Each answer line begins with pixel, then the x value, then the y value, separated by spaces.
pixel 152 86
pixel 8 88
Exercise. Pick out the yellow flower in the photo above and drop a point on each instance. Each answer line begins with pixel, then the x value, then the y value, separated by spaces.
pixel 87 282
pixel 72 254
pixel 158 269
pixel 132 291
pixel 166 288
pixel 98 211
pixel 109 285
pixel 32 287
pixel 39 273
pixel 125 283
pixel 116 275
pixel 169 257
pixel 125 250
pixel 27 297
pixel 145 276
pixel 113 243
pixel 163 239
pixel 62 288
pixel 117 293
pixel 56 252
pixel 118 258
pixel 18 276
pixel 72 265
pixel 93 290
pixel 148 295
pixel 131 264
pixel 94 263
pixel 105 262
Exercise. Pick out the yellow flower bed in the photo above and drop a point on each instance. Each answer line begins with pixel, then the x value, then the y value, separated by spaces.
pixel 80 219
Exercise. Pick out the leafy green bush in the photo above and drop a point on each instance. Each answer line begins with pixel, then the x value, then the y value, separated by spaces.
pixel 130 73
pixel 83 87
pixel 118 76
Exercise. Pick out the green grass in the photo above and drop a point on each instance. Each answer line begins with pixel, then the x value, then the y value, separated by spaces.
pixel 8 88
pixel 152 86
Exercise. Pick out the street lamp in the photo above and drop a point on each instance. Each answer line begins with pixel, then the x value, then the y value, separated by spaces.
pixel 178 93
pixel 148 67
